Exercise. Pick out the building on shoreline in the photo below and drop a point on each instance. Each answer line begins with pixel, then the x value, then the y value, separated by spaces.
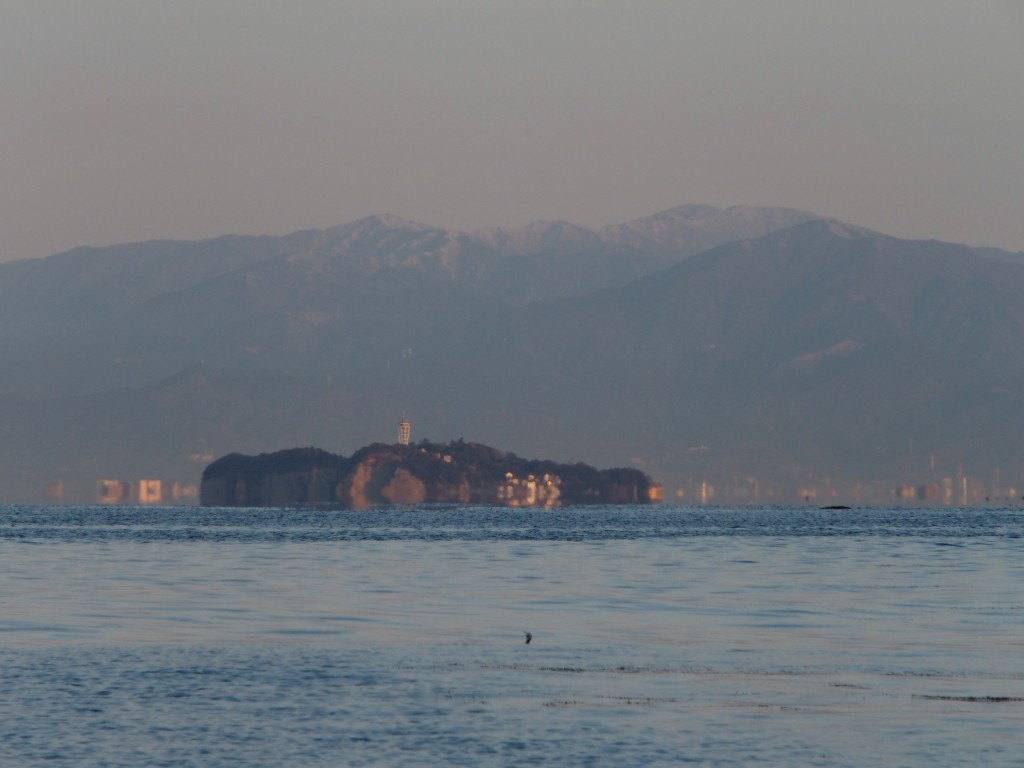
pixel 145 491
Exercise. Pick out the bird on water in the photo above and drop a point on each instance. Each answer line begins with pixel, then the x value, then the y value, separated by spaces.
pixel 529 637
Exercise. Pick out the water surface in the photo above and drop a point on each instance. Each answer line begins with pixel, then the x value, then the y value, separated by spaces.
pixel 665 635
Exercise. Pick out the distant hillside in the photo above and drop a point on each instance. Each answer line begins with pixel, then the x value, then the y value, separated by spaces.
pixel 98 318
pixel 763 352
pixel 817 351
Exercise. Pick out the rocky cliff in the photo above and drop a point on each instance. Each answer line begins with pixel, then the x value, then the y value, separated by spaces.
pixel 457 472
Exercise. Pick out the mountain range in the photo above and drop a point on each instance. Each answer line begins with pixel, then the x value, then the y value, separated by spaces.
pixel 734 354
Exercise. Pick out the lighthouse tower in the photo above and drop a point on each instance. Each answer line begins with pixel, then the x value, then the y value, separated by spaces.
pixel 403 431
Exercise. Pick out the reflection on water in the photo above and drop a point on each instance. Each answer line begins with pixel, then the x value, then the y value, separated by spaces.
pixel 723 637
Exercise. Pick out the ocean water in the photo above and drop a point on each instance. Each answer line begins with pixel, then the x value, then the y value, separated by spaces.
pixel 661 636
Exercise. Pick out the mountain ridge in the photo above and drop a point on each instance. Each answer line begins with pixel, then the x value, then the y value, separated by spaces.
pixel 817 355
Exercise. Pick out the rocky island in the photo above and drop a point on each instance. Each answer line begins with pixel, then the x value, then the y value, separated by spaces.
pixel 457 472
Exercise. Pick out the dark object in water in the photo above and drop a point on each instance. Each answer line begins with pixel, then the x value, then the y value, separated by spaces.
pixel 974 699
pixel 837 506
pixel 529 637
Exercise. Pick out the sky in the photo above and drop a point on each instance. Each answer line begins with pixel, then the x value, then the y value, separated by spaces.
pixel 128 120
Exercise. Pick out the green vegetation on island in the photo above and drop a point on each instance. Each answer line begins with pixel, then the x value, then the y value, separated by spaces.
pixel 458 472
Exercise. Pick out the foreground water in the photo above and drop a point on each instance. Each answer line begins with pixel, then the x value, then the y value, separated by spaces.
pixel 723 637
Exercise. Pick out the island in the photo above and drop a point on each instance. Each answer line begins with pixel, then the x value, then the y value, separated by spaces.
pixel 458 472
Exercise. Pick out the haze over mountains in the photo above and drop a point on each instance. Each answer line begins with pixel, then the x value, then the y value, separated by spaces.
pixel 749 350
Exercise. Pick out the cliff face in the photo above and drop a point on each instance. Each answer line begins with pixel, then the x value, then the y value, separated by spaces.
pixel 458 472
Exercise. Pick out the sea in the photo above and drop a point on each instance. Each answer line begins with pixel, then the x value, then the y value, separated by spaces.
pixel 661 635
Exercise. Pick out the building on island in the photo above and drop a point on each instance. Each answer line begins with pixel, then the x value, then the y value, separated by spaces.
pixel 404 428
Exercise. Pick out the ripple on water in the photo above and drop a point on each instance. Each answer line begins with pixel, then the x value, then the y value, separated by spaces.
pixel 660 636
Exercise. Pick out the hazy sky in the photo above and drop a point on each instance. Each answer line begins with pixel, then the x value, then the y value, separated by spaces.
pixel 125 120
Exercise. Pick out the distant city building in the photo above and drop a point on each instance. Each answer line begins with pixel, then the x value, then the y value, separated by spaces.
pixel 56 491
pixel 144 492
pixel 113 492
pixel 404 428
pixel 150 491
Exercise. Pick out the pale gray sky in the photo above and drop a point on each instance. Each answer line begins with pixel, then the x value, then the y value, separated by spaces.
pixel 125 120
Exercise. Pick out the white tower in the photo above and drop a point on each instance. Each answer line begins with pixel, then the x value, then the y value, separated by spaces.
pixel 403 431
